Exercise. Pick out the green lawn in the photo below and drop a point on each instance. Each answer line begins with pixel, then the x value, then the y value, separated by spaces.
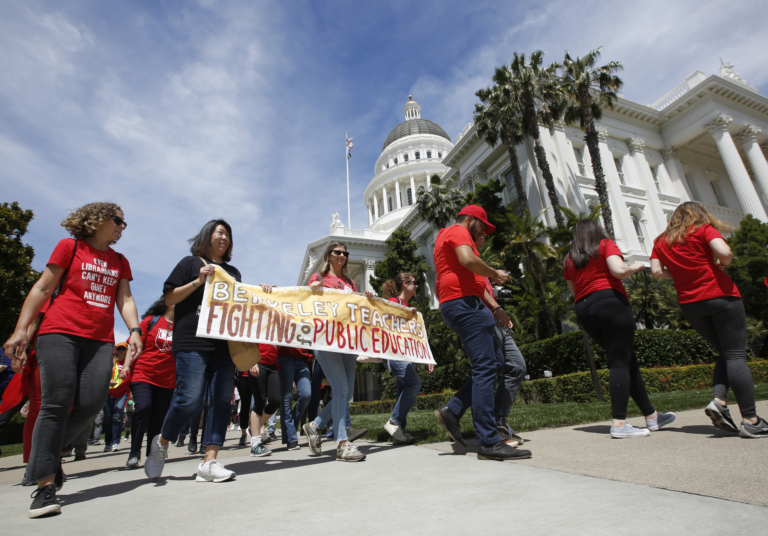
pixel 523 418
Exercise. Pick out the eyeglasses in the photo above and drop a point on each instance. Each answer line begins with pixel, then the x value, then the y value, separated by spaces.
pixel 121 349
pixel 119 221
pixel 410 282
pixel 339 252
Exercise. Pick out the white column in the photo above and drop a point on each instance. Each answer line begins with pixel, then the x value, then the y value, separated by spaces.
pixel 748 139
pixel 397 194
pixel 375 207
pixel 644 172
pixel 745 190
pixel 622 221
pixel 384 196
pixel 370 215
pixel 570 168
pixel 413 191
pixel 369 267
pixel 676 173
pixel 558 178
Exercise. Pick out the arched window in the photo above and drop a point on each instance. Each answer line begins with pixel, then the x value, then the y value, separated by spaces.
pixel 439 155
pixel 405 157
pixel 410 197
pixel 390 203
pixel 640 234
pixel 429 154
pixel 418 155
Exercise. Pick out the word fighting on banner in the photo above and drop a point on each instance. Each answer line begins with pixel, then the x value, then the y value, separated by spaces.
pixel 327 319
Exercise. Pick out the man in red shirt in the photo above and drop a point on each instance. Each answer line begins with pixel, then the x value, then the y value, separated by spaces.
pixel 461 277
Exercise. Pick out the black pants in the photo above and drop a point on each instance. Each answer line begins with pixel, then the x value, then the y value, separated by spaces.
pixel 151 403
pixel 244 388
pixel 265 388
pixel 607 317
pixel 723 324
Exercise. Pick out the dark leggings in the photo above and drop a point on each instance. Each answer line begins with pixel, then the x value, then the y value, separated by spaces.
pixel 265 387
pixel 723 324
pixel 244 388
pixel 151 403
pixel 607 317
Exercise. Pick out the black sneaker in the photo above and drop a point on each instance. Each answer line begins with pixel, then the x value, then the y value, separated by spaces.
pixel 44 502
pixel 242 442
pixel 80 457
pixel 201 450
pixel 721 417
pixel 180 441
pixel 192 447
pixel 754 431
pixel 450 422
pixel 294 445
pixel 354 434
pixel 58 480
pixel 501 451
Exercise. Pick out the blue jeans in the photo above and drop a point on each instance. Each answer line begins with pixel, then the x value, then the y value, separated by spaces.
pixel 272 423
pixel 475 325
pixel 196 371
pixel 114 411
pixel 340 371
pixel 293 370
pixel 408 387
pixel 512 375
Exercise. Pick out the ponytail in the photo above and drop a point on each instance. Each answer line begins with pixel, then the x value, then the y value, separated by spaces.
pixel 393 288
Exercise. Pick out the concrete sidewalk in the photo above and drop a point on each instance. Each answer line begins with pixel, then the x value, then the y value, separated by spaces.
pixel 407 490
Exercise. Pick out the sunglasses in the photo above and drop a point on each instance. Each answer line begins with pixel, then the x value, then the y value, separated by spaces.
pixel 410 282
pixel 337 252
pixel 119 221
pixel 121 349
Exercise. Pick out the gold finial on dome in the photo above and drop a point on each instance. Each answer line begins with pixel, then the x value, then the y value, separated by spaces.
pixel 410 98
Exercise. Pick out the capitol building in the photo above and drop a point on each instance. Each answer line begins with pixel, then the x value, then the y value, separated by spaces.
pixel 704 141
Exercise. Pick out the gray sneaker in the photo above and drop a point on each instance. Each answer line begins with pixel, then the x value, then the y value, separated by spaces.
pixel 313 437
pixel 348 453
pixel 265 438
pixel 396 431
pixel 661 420
pixel 628 431
pixel 153 467
pixel 259 451
pixel 133 461
pixel 754 431
pixel 721 417
pixel 213 471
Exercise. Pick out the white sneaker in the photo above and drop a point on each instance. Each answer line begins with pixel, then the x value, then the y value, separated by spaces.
pixel 398 436
pixel 213 471
pixel 628 431
pixel 115 448
pixel 348 453
pixel 153 467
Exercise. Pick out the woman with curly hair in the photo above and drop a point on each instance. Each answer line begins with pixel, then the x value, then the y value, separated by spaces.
pixel 712 304
pixel 83 280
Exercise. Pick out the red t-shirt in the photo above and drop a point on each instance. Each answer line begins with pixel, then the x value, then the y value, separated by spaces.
pixel 331 281
pixel 156 365
pixel 692 265
pixel 595 275
pixel 295 353
pixel 268 354
pixel 85 306
pixel 454 280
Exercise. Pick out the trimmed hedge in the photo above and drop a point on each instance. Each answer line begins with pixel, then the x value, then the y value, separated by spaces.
pixel 577 387
pixel 14 430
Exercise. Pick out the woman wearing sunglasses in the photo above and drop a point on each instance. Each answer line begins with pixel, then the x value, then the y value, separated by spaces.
pixel 75 340
pixel 339 368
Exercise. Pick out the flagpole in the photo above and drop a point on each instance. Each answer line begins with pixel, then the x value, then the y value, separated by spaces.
pixel 346 157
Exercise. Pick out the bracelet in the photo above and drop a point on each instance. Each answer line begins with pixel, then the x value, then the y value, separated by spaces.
pixel 725 265
pixel 496 309
pixel 194 283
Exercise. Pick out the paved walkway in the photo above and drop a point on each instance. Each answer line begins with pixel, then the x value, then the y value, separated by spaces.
pixel 415 490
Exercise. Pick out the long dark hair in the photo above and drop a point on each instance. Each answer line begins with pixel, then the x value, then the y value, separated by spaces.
pixel 201 244
pixel 156 309
pixel 327 259
pixel 586 244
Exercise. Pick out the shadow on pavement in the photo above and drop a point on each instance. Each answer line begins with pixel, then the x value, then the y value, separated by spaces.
pixel 110 490
pixel 597 429
pixel 702 429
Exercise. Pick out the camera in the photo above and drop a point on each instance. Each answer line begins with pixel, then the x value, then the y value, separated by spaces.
pixel 501 293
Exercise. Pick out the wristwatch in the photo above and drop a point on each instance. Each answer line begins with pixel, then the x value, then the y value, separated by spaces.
pixel 138 330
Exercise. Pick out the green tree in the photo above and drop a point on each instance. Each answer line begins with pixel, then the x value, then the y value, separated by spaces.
pixel 401 257
pixel 16 273
pixel 488 196
pixel 440 204
pixel 654 302
pixel 587 88
pixel 497 118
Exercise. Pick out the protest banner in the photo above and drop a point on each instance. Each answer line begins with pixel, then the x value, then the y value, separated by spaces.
pixel 326 319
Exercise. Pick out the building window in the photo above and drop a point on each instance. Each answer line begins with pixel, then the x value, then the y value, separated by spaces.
pixel 410 197
pixel 579 152
pixel 405 157
pixel 390 203
pixel 395 161
pixel 418 155
pixel 429 154
pixel 439 155
pixel 718 195
pixel 655 173
pixel 639 232
pixel 619 169
pixel 692 187
pixel 387 165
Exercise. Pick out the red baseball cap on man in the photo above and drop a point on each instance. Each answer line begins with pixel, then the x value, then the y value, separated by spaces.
pixel 479 213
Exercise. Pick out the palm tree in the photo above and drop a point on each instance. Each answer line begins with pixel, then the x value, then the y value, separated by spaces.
pixel 497 118
pixel 535 88
pixel 440 204
pixel 587 88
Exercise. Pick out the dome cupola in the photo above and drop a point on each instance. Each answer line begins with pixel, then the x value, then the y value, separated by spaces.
pixel 413 124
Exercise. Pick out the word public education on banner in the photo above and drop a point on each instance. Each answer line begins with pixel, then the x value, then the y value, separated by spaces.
pixel 326 319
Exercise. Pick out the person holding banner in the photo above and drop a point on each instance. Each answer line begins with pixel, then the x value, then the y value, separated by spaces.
pixel 461 277
pixel 200 362
pixel 339 368
pixel 401 290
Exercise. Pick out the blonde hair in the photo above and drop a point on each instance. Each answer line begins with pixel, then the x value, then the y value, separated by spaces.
pixel 83 222
pixel 327 259
pixel 393 288
pixel 687 218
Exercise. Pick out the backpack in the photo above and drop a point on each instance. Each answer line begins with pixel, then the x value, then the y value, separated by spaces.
pixel 152 323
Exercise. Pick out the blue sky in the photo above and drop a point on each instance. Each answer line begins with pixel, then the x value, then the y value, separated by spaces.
pixel 182 112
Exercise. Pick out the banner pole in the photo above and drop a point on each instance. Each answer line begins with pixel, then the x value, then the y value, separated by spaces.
pixel 346 157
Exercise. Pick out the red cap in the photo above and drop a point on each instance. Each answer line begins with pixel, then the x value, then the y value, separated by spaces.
pixel 479 213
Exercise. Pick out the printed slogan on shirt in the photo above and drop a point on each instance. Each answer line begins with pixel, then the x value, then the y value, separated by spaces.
pixel 328 319
pixel 99 279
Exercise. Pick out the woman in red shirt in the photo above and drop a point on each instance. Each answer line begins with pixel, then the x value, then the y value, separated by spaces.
pixel 114 409
pixel 153 378
pixel 75 340
pixel 712 304
pixel 594 268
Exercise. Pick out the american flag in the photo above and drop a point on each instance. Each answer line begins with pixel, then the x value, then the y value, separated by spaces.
pixel 349 147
